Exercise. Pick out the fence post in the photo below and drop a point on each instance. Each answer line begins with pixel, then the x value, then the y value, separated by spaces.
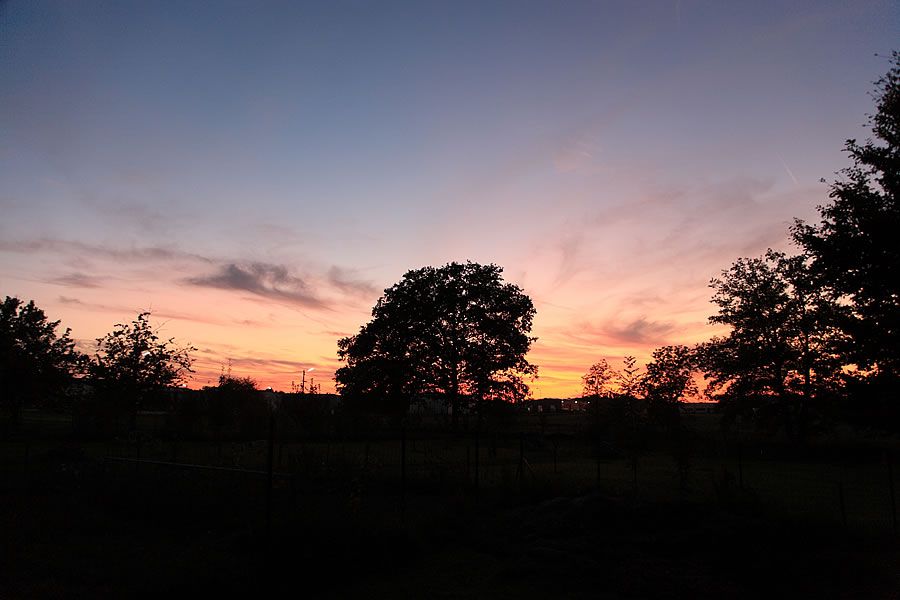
pixel 477 456
pixel 521 471
pixel 634 483
pixel 840 487
pixel 402 473
pixel 890 470
pixel 468 464
pixel 269 464
pixel 137 445
pixel 555 454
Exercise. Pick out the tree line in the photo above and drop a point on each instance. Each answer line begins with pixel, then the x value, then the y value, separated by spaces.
pixel 813 334
pixel 810 334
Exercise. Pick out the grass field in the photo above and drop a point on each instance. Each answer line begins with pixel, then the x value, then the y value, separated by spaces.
pixel 346 518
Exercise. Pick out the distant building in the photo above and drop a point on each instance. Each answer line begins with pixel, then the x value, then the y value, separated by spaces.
pixel 546 405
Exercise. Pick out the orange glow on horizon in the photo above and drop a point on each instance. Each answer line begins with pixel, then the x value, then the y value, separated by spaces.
pixel 274 342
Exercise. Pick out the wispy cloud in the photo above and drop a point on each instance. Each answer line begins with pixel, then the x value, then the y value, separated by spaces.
pixel 575 153
pixel 570 253
pixel 262 279
pixel 132 214
pixel 639 331
pixel 634 332
pixel 345 281
pixel 77 280
pixel 126 312
pixel 133 253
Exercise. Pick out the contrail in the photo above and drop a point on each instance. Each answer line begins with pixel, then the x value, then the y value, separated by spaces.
pixel 788 169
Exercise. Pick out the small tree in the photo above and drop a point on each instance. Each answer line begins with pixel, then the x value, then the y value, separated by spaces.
pixel 35 363
pixel 616 417
pixel 668 381
pixel 670 376
pixel 251 412
pixel 630 378
pixel 132 362
pixel 598 381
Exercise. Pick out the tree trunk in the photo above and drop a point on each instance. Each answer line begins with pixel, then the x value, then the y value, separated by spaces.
pixel 454 398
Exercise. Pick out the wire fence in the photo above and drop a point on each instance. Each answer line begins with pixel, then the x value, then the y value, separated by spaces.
pixel 395 473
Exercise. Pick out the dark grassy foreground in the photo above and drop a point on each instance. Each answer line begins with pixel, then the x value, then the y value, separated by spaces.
pixel 74 526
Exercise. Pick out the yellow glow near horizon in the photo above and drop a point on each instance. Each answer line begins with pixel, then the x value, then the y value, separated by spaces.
pixel 273 342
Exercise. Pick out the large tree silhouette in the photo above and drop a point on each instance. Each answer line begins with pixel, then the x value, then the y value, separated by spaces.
pixel 777 353
pixel 35 362
pixel 458 330
pixel 855 248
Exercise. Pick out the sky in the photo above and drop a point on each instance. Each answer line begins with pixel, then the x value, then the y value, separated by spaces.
pixel 256 173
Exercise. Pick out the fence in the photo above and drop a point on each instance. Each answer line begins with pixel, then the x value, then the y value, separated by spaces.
pixel 395 473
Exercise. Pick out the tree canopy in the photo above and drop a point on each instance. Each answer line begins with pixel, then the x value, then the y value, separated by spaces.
pixel 133 361
pixel 782 329
pixel 669 378
pixel 35 362
pixel 599 379
pixel 457 330
pixel 855 249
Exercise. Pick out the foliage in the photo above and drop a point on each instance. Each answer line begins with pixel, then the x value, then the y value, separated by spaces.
pixel 457 330
pixel 855 249
pixel 669 379
pixel 781 339
pixel 599 379
pixel 630 378
pixel 133 362
pixel 670 375
pixel 35 363
pixel 229 401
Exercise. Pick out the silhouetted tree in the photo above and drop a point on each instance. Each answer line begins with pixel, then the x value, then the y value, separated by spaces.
pixel 777 351
pixel 599 379
pixel 457 330
pixel 668 380
pixel 35 363
pixel 223 400
pixel 615 412
pixel 132 362
pixel 855 248
pixel 237 401
pixel 629 378
pixel 669 377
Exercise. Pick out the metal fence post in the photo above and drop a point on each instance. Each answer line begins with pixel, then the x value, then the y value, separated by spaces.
pixel 402 473
pixel 893 494
pixel 840 489
pixel 269 476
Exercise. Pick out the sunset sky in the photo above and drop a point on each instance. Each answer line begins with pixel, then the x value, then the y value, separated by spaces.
pixel 256 173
